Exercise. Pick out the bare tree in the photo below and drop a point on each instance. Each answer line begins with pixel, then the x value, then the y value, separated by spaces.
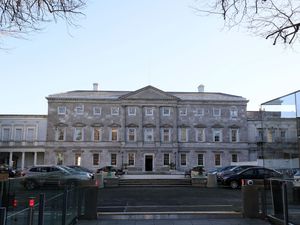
pixel 23 16
pixel 278 20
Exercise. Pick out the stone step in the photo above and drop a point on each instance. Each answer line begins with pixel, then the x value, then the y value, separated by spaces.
pixel 156 182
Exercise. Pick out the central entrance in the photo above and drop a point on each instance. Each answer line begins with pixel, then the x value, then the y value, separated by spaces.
pixel 148 162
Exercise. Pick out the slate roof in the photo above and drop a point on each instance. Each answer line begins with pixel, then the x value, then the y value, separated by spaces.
pixel 116 95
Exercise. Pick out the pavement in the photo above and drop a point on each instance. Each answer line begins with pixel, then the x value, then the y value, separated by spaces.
pixel 203 221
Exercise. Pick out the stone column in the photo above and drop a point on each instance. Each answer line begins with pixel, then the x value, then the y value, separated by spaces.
pixel 10 163
pixel 23 161
pixel 34 158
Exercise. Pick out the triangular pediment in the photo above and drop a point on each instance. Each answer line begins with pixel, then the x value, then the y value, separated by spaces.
pixel 149 93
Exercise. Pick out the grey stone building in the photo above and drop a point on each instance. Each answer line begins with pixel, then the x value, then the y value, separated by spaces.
pixel 147 129
pixel 22 140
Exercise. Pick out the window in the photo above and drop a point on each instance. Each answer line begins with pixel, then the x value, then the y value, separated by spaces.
pixel 270 135
pixel 149 111
pixel 200 160
pixel 216 112
pixel 183 134
pixel 77 159
pixel 18 134
pixel 217 135
pixel 61 110
pixel 113 159
pixel 30 136
pixel 79 110
pixel 182 111
pixel 260 134
pixel 115 111
pixel 148 135
pixel 166 111
pixel 166 159
pixel 234 158
pixel 199 112
pixel 96 134
pixel 6 134
pixel 131 159
pixel 114 134
pixel 217 159
pixel 233 113
pixel 183 159
pixel 166 134
pixel 78 134
pixel 283 135
pixel 131 111
pixel 131 134
pixel 96 159
pixel 60 133
pixel 97 111
pixel 59 158
pixel 234 135
pixel 200 134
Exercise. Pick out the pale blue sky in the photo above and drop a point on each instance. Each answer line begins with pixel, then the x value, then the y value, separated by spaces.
pixel 126 45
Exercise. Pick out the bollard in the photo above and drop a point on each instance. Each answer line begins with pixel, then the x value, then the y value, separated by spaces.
pixel 250 199
pixel 41 209
pixel 31 202
pixel 211 180
pixel 90 203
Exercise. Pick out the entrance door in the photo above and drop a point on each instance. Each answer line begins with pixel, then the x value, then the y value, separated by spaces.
pixel 148 163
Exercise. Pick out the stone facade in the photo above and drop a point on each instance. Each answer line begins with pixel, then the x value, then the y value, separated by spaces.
pixel 146 130
pixel 272 136
pixel 22 140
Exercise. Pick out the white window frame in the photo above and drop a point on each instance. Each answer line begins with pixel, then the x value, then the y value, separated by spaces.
pixel 97 157
pixel 21 138
pixel 34 134
pixel 131 111
pixel 166 111
pixel 59 158
pixel 215 132
pixel 169 159
pixel 97 111
pixel 237 135
pixel 115 111
pixel 61 110
pixel 233 113
pixel 112 130
pixel 79 109
pixel 77 159
pixel 148 131
pixel 215 159
pixel 128 159
pixel 181 134
pixel 216 112
pixel 182 111
pixel 181 158
pixel 203 162
pixel 111 159
pixel 129 133
pixel 100 133
pixel 57 132
pixel 202 130
pixel 78 132
pixel 163 135
pixel 149 111
pixel 9 134
pixel 237 158
pixel 199 112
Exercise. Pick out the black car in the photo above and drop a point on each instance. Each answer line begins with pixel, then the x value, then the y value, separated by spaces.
pixel 110 169
pixel 231 170
pixel 234 180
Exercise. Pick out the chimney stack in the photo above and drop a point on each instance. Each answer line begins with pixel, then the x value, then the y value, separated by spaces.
pixel 201 88
pixel 95 87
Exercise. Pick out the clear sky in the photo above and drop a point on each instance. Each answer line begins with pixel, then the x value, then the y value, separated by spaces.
pixel 126 45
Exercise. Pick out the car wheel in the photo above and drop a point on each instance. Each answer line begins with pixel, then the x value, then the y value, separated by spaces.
pixel 30 185
pixel 234 184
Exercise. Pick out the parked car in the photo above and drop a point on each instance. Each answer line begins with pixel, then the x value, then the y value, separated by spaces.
pixel 234 180
pixel 77 171
pixel 110 169
pixel 80 168
pixel 54 175
pixel 220 169
pixel 232 170
pixel 297 179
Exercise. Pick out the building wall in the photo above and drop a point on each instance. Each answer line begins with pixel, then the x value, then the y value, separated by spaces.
pixel 157 100
pixel 22 140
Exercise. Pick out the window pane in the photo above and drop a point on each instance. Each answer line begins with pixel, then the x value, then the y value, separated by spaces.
pixel 200 160
pixel 18 134
pixel 77 159
pixel 131 159
pixel 114 134
pixel 96 134
pixel 183 159
pixel 234 158
pixel 30 134
pixel 217 160
pixel 96 159
pixel 6 134
pixel 113 159
pixel 166 159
